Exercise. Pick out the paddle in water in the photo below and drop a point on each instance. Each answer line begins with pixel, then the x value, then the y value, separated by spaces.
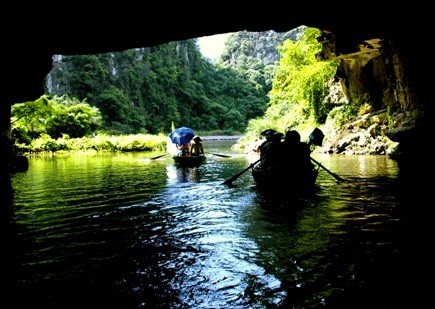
pixel 230 181
pixel 329 172
pixel 218 154
pixel 159 156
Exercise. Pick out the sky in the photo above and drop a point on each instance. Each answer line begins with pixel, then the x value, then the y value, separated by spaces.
pixel 212 46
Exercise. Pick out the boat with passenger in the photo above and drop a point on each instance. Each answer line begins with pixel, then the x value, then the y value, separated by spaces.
pixel 186 148
pixel 281 184
pixel 189 161
pixel 284 169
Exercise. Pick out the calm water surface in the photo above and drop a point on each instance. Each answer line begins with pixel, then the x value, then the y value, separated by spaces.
pixel 124 231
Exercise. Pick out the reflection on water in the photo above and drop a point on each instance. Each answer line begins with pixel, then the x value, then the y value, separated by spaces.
pixel 183 174
pixel 123 231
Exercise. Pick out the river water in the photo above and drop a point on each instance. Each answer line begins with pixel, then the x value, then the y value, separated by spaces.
pixel 125 231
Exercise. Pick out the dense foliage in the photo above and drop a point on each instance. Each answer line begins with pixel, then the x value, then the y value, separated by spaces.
pixel 300 86
pixel 63 124
pixel 262 80
pixel 55 117
pixel 144 90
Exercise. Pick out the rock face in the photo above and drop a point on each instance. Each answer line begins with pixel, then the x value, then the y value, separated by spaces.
pixel 366 135
pixel 375 72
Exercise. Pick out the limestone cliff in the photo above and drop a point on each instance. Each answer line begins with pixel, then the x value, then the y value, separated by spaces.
pixel 374 78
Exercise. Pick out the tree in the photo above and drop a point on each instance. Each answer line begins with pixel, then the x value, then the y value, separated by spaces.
pixel 28 119
pixel 73 118
pixel 300 84
pixel 56 116
pixel 113 105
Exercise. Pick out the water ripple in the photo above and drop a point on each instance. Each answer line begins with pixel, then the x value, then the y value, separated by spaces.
pixel 125 232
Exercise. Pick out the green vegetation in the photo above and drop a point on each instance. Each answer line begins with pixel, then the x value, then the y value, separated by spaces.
pixel 62 124
pixel 131 100
pixel 300 86
pixel 144 90
pixel 54 116
pixel 135 142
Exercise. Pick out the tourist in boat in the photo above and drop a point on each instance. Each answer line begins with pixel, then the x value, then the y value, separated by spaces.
pixel 197 148
pixel 272 153
pixel 184 150
pixel 271 162
pixel 268 134
pixel 297 161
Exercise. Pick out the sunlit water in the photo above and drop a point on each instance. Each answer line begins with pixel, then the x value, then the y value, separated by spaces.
pixel 124 231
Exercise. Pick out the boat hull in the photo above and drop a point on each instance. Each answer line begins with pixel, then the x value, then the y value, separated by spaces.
pixel 281 185
pixel 189 161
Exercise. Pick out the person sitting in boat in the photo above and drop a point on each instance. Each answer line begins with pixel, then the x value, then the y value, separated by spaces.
pixel 297 157
pixel 268 134
pixel 272 153
pixel 197 149
pixel 184 150
pixel 271 163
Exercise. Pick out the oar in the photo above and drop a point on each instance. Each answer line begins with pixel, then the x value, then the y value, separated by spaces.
pixel 331 173
pixel 229 181
pixel 219 155
pixel 154 158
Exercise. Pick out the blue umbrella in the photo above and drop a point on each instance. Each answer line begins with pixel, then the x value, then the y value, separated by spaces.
pixel 181 135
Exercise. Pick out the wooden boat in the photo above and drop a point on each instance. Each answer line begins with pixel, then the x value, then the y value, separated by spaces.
pixel 188 161
pixel 288 172
pixel 280 184
pixel 290 179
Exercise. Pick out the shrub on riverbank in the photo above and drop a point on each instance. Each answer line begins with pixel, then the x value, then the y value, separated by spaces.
pixel 135 142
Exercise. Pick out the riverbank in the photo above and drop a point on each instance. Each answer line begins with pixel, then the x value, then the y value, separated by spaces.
pixel 222 137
